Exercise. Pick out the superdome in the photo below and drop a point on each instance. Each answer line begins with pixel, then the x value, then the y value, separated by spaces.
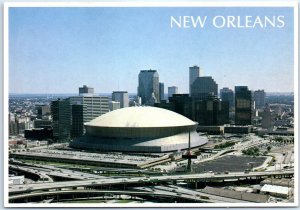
pixel 139 129
pixel 142 116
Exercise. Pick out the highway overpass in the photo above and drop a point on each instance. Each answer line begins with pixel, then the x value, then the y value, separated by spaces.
pixel 92 183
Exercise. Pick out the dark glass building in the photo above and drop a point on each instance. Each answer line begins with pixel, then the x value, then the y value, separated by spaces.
pixel 86 90
pixel 227 94
pixel 62 122
pixel 211 111
pixel 78 120
pixel 203 87
pixel 182 104
pixel 243 108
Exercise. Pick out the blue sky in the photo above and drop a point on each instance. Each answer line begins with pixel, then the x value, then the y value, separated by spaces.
pixel 56 50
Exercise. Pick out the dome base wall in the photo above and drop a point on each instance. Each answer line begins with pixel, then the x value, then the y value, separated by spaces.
pixel 167 144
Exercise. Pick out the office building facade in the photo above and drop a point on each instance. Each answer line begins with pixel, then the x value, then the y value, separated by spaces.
pixel 243 105
pixel 204 87
pixel 211 111
pixel 182 104
pixel 94 106
pixel 85 90
pixel 259 99
pixel 266 122
pixel 161 91
pixel 227 94
pixel 86 108
pixel 114 105
pixel 43 110
pixel 172 90
pixel 122 97
pixel 62 121
pixel 148 84
pixel 78 111
pixel 194 73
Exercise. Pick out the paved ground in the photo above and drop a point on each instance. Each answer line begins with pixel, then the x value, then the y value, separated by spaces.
pixel 228 163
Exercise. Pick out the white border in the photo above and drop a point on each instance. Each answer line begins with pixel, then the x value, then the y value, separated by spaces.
pixel 5 102
pixel 293 4
pixel 156 4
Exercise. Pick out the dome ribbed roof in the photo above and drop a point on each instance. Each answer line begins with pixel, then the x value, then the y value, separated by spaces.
pixel 141 117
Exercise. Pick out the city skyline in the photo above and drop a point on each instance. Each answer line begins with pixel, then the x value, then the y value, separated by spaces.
pixel 76 46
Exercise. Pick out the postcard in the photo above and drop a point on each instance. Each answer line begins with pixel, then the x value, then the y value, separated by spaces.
pixel 151 104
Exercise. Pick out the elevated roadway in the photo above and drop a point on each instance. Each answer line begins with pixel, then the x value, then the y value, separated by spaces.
pixel 153 179
pixel 94 193
pixel 41 175
pixel 49 171
pixel 193 193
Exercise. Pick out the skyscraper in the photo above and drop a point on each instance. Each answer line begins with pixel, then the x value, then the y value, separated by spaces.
pixel 259 99
pixel 243 108
pixel 148 84
pixel 86 90
pixel 227 95
pixel 194 73
pixel 172 90
pixel 62 122
pixel 122 97
pixel 161 91
pixel 203 87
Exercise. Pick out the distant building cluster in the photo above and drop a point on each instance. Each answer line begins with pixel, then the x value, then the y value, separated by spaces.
pixel 63 119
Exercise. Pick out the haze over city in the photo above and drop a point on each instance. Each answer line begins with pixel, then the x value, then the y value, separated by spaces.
pixel 63 48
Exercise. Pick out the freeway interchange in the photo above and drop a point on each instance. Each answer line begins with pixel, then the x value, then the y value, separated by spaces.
pixel 15 189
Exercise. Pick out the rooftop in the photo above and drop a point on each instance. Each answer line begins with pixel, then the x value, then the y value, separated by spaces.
pixel 141 117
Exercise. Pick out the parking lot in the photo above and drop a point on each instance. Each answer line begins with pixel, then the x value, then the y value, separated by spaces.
pixel 229 163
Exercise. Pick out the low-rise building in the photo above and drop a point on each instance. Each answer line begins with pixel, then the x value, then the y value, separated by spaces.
pixel 15 180
pixel 277 191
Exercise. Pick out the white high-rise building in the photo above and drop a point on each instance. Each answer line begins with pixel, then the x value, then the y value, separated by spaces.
pixel 93 106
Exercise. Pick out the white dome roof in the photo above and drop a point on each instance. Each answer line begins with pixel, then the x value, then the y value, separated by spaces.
pixel 137 117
